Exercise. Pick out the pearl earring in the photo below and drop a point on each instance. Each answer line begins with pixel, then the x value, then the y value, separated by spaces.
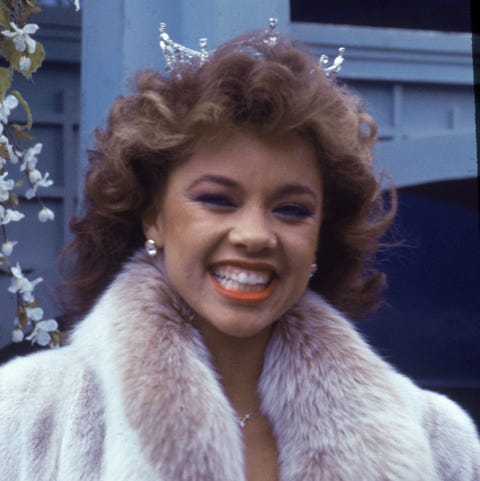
pixel 151 247
pixel 313 269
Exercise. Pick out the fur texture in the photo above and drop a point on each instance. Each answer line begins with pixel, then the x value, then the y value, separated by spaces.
pixel 134 397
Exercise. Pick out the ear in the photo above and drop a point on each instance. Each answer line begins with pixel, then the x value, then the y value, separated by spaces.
pixel 153 226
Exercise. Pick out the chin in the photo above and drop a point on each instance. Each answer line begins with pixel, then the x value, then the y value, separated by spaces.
pixel 251 331
pixel 240 331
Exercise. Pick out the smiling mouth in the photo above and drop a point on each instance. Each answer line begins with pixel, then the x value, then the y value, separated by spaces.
pixel 243 285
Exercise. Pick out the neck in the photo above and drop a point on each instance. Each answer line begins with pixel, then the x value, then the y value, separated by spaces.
pixel 239 363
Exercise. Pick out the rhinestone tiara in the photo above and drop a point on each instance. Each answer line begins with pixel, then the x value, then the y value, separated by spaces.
pixel 176 54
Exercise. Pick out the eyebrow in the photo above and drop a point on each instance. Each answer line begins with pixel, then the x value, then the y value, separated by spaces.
pixel 296 188
pixel 292 188
pixel 216 179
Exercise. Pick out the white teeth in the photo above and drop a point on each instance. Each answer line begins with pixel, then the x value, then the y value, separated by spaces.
pixel 234 278
pixel 231 285
pixel 243 278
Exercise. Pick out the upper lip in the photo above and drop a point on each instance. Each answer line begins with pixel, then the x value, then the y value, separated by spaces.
pixel 247 265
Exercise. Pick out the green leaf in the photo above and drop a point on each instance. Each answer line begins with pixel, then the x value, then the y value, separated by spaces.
pixel 58 338
pixel 4 16
pixel 28 113
pixel 22 317
pixel 4 151
pixel 29 8
pixel 12 55
pixel 20 132
pixel 36 58
pixel 34 303
pixel 5 81
pixel 8 50
pixel 13 199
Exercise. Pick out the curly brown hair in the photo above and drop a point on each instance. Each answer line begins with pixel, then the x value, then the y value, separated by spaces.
pixel 246 84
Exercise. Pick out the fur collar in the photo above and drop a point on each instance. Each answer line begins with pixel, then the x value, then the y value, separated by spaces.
pixel 337 410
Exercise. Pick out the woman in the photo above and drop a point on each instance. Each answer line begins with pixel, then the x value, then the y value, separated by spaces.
pixel 205 356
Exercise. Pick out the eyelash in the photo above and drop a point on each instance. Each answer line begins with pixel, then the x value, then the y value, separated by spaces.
pixel 222 201
pixel 217 200
pixel 294 210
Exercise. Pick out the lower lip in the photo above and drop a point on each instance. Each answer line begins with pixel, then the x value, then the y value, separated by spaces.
pixel 244 297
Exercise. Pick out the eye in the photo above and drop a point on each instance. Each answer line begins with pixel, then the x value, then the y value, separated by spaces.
pixel 217 200
pixel 294 210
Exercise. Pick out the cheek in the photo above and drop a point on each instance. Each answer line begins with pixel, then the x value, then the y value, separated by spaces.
pixel 314 239
pixel 177 222
pixel 305 246
pixel 186 242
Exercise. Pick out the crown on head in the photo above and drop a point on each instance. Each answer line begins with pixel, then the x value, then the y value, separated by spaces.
pixel 177 54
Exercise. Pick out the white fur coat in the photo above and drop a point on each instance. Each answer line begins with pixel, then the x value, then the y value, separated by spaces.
pixel 134 398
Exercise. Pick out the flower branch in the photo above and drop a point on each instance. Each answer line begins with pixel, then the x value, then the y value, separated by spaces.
pixel 23 55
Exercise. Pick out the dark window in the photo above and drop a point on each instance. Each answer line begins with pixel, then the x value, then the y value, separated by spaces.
pixel 445 15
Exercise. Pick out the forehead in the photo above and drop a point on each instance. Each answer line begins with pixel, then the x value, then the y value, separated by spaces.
pixel 251 158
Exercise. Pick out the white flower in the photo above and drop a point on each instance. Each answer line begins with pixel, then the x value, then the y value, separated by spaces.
pixel 41 333
pixel 7 247
pixel 45 214
pixel 17 335
pixel 12 155
pixel 22 285
pixel 34 313
pixel 30 158
pixel 36 179
pixel 6 106
pixel 5 187
pixel 34 176
pixel 25 63
pixel 21 36
pixel 9 215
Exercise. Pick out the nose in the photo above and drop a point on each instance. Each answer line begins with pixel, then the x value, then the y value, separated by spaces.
pixel 252 230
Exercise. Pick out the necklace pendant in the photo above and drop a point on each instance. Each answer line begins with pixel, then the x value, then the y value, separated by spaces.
pixel 242 421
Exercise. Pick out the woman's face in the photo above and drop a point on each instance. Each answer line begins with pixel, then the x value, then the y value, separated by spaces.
pixel 239 223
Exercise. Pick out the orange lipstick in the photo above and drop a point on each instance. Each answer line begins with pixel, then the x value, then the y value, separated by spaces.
pixel 242 296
